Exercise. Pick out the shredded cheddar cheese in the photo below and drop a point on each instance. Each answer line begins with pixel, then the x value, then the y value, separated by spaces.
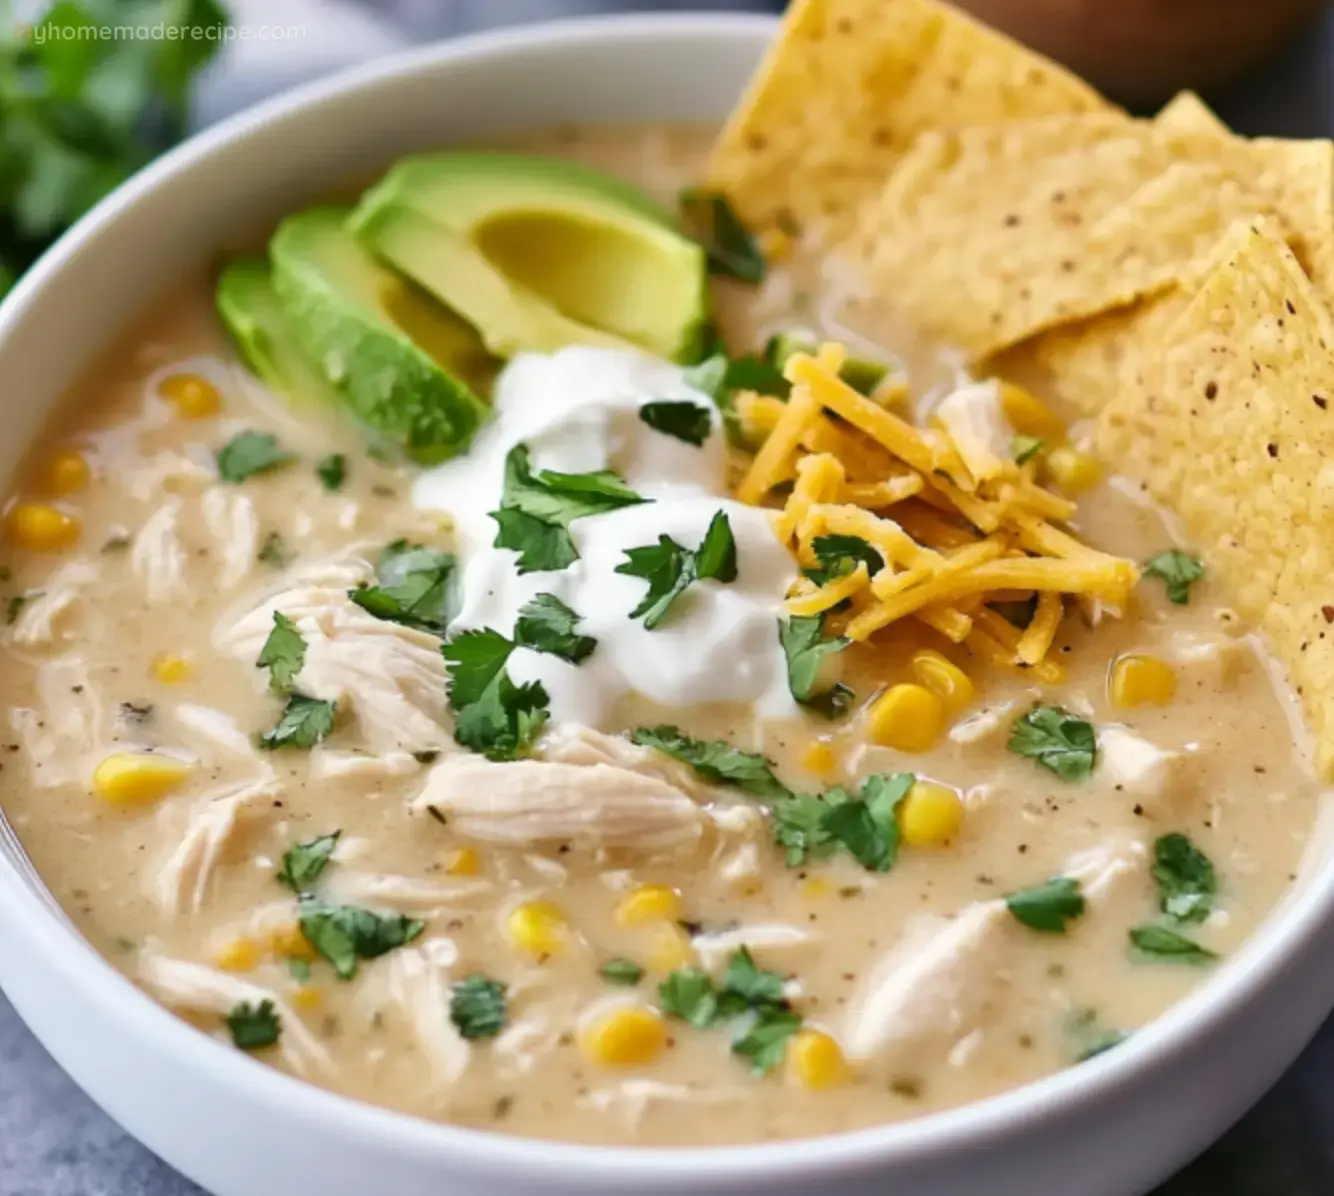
pixel 958 524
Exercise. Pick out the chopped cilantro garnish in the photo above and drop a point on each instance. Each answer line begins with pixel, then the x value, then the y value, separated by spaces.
pixel 798 824
pixel 492 714
pixel 477 1007
pixel 679 418
pixel 254 1027
pixel 731 248
pixel 671 569
pixel 1057 740
pixel 305 862
pixel 1049 906
pixel 304 722
pixel 716 760
pixel 861 373
pixel 536 510
pixel 1100 1044
pixel 332 471
pixel 867 825
pixel 299 970
pixel 749 983
pixel 624 972
pixel 839 555
pixel 763 1039
pixel 1178 570
pixel 688 993
pixel 249 453
pixel 283 654
pixel 1165 943
pixel 274 551
pixel 413 587
pixel 1185 878
pixel 1025 448
pixel 16 604
pixel 344 934
pixel 806 649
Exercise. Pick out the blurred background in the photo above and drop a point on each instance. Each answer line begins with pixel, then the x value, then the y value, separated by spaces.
pixel 71 127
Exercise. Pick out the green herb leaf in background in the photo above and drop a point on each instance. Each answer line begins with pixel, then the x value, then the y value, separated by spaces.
pixel 1185 878
pixel 1057 740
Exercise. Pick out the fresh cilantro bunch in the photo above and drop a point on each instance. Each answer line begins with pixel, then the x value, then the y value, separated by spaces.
pixel 81 112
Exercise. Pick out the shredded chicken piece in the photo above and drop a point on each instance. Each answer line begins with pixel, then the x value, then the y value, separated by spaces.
pixel 403 894
pixel 572 743
pixel 941 981
pixel 219 729
pixel 182 882
pixel 1101 867
pixel 1141 769
pixel 61 738
pixel 233 522
pixel 974 422
pixel 158 555
pixel 36 622
pixel 329 764
pixel 170 470
pixel 632 1099
pixel 982 724
pixel 391 678
pixel 762 939
pixel 197 988
pixel 530 802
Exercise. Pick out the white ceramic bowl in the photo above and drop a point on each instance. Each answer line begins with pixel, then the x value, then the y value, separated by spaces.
pixel 1110 1127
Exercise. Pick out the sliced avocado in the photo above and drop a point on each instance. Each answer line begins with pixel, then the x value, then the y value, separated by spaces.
pixel 508 316
pixel 253 314
pixel 405 367
pixel 596 252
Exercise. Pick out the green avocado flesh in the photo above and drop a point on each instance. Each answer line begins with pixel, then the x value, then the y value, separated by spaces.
pixel 253 314
pixel 405 367
pixel 539 252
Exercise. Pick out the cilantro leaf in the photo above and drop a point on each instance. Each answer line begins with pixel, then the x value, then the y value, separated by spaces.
pixel 1057 740
pixel 254 1027
pixel 624 972
pixel 679 418
pixel 671 569
pixel 492 715
pixel 861 373
pixel 751 984
pixel 749 372
pixel 248 453
pixel 477 1007
pixel 1178 570
pixel 304 723
pixel 799 827
pixel 1024 448
pixel 343 934
pixel 731 248
pixel 283 654
pixel 413 587
pixel 304 863
pixel 867 826
pixel 1164 943
pixel 716 760
pixel 688 993
pixel 546 624
pixel 332 471
pixel 1100 1044
pixel 840 554
pixel 709 377
pixel 536 510
pixel 763 1041
pixel 274 551
pixel 806 649
pixel 1185 878
pixel 1049 906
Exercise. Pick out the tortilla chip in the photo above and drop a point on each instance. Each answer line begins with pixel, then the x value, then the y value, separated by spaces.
pixel 1188 113
pixel 1234 430
pixel 989 235
pixel 846 89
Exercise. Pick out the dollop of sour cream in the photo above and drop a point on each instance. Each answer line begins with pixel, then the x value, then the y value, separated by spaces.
pixel 577 410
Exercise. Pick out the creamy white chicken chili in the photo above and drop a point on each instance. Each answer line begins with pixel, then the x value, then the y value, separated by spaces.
pixel 554 787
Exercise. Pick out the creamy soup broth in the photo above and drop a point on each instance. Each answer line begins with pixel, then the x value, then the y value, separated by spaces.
pixel 113 644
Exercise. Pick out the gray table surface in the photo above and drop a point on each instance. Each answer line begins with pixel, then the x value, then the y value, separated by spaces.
pixel 56 1142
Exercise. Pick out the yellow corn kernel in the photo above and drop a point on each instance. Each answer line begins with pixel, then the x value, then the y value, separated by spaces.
pixel 1072 471
pixel 1140 679
pixel 943 678
pixel 1030 416
pixel 814 1060
pixel 908 718
pixel 537 926
pixel 307 999
pixel 775 244
pixel 816 888
pixel 67 472
pixel 626 1036
pixel 648 903
pixel 240 955
pixel 137 778
pixel 930 815
pixel 464 862
pixel 668 948
pixel 820 758
pixel 192 396
pixel 40 527
pixel 290 943
pixel 169 668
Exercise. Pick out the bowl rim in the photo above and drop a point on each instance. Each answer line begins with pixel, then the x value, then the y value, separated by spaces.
pixel 1290 931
